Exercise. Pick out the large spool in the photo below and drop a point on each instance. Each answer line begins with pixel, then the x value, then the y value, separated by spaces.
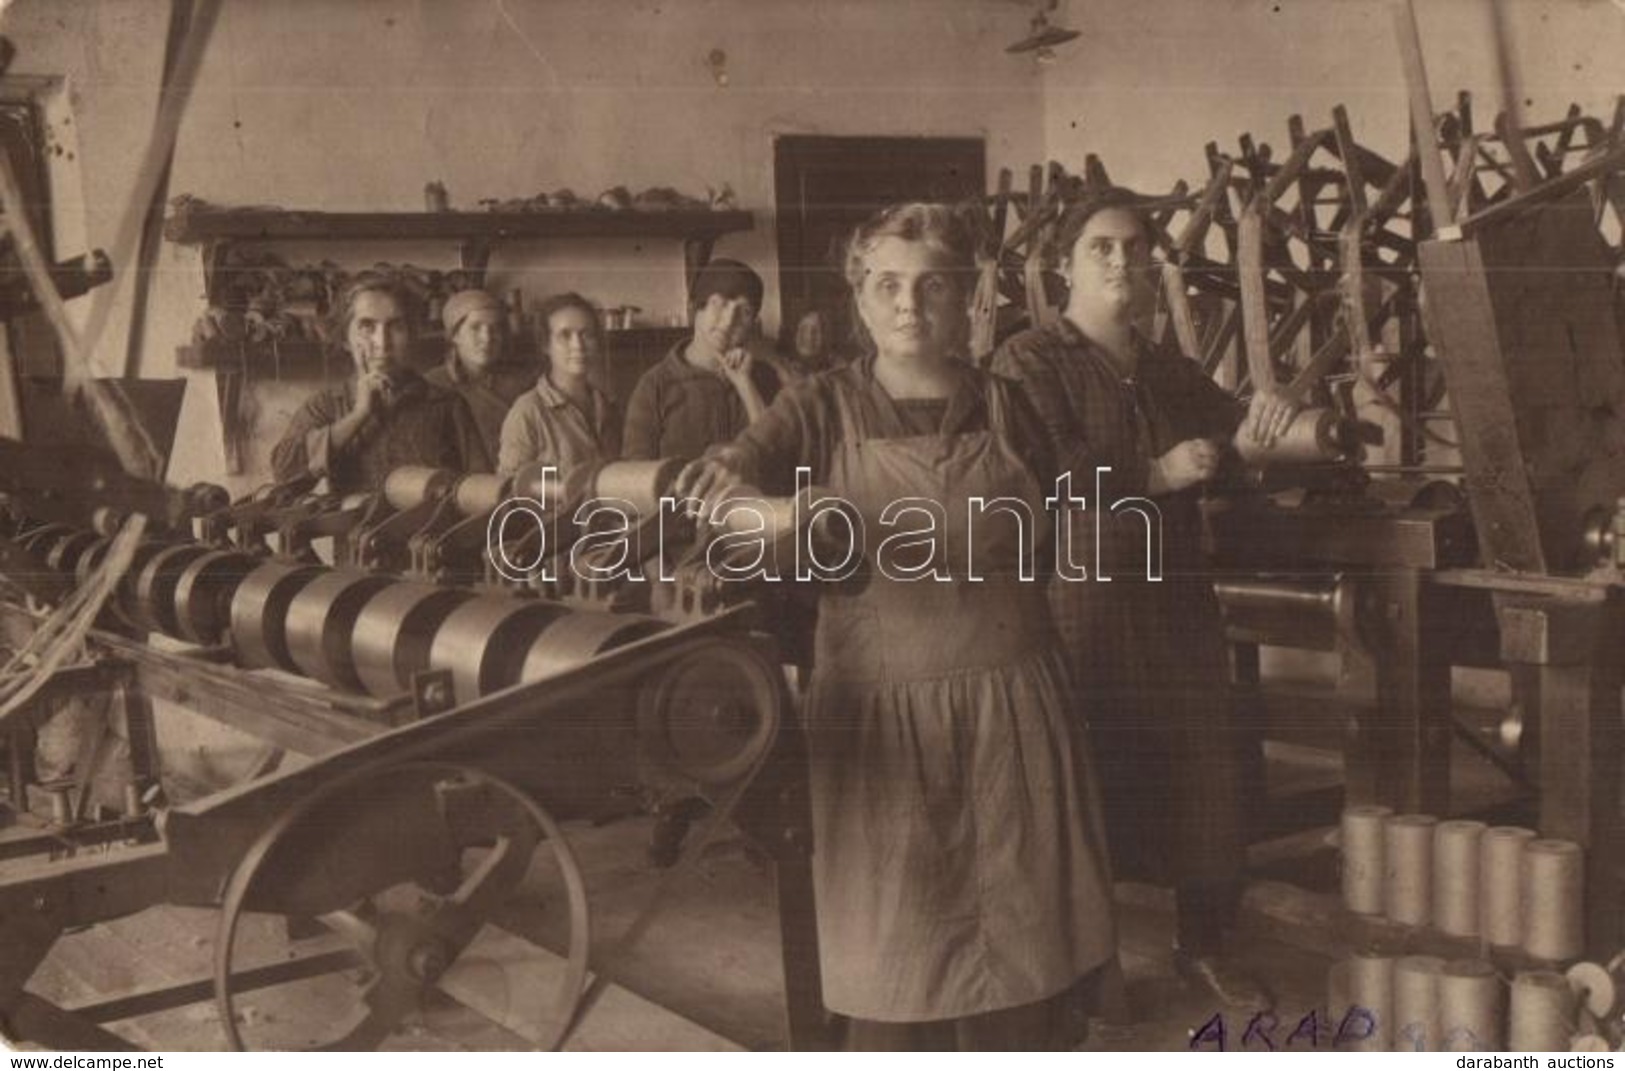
pixel 642 483
pixel 204 592
pixel 577 637
pixel 1470 1007
pixel 1456 877
pixel 1553 898
pixel 1363 857
pixel 321 620
pixel 1315 436
pixel 155 587
pixel 1501 884
pixel 1300 612
pixel 394 632
pixel 1542 1014
pixel 259 613
pixel 1416 1003
pixel 1408 868
pixel 479 494
pixel 413 485
pixel 484 642
pixel 1370 983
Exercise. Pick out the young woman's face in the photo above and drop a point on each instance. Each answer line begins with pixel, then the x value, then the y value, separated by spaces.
pixel 910 300
pixel 1110 263
pixel 572 341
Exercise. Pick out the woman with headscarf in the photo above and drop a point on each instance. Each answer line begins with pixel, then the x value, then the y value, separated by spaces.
pixel 477 365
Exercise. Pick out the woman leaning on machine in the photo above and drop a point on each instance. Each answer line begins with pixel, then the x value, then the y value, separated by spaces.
pixel 960 870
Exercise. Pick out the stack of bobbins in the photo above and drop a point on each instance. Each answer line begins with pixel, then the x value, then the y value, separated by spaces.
pixel 1502 885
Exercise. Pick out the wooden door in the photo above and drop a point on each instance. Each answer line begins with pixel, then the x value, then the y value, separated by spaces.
pixel 825 186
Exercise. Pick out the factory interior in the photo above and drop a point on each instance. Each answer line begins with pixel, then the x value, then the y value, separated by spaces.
pixel 337 712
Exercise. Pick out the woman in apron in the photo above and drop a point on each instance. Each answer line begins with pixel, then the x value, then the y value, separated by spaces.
pixel 959 864
pixel 1148 659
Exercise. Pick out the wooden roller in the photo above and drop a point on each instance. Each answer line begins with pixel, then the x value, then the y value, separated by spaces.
pixel 413 485
pixel 321 619
pixel 577 637
pixel 155 587
pixel 259 612
pixel 485 640
pixel 479 494
pixel 641 483
pixel 204 592
pixel 394 632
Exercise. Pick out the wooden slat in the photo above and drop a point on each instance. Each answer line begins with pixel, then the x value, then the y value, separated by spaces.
pixel 1254 305
pixel 1416 81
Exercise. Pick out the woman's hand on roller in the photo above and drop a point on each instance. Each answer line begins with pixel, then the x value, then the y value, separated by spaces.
pixel 708 478
pixel 1269 415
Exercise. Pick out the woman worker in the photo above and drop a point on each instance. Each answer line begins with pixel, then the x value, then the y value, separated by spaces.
pixel 565 420
pixel 385 416
pixel 960 872
pixel 1148 658
pixel 477 365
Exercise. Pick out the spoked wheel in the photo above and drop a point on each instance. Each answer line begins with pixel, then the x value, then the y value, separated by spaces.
pixel 403 866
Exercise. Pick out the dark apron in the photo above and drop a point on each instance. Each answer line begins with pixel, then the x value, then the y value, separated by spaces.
pixel 960 864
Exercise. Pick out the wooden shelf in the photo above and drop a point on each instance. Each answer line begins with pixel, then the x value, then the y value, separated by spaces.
pixel 233 224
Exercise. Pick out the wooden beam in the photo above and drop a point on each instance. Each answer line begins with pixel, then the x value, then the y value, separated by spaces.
pixel 1416 81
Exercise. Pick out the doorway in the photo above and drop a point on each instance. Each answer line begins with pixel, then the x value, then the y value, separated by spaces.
pixel 825 186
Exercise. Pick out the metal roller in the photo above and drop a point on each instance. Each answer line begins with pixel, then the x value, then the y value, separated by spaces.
pixel 1315 436
pixel 641 483
pixel 127 596
pixel 394 631
pixel 479 494
pixel 413 485
pixel 577 637
pixel 1305 613
pixel 484 642
pixel 204 592
pixel 155 587
pixel 90 559
pixel 65 553
pixel 259 612
pixel 321 620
